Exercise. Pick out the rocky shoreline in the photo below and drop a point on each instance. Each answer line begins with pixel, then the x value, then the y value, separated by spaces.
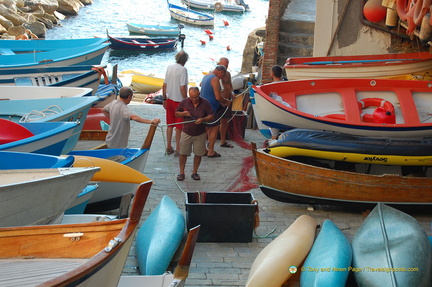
pixel 24 19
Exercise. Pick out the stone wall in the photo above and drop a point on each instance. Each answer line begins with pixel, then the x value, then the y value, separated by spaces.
pixel 21 19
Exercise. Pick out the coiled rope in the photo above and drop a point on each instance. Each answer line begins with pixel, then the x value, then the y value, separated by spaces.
pixel 35 115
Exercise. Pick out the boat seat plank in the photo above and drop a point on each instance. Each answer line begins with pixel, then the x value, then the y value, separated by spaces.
pixel 30 272
pixel 352 112
pixel 408 106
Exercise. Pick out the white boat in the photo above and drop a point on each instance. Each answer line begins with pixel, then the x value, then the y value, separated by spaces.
pixel 39 196
pixel 218 5
pixel 361 66
pixel 189 16
pixel 153 30
pixel 85 255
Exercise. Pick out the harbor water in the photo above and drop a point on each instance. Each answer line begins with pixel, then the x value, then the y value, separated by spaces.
pixel 112 15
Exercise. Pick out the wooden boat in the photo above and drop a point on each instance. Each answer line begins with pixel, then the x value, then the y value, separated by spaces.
pixel 362 66
pixel 28 160
pixel 272 266
pixel 180 274
pixel 375 108
pixel 88 254
pixel 328 182
pixel 82 55
pixel 391 248
pixel 137 43
pixel 39 196
pixel 218 6
pixel 338 142
pixel 153 30
pixel 30 46
pixel 189 16
pixel 108 195
pixel 44 138
pixel 70 109
pixel 329 261
pixel 159 237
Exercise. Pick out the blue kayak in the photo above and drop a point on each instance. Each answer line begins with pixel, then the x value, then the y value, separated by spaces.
pixel 159 237
pixel 329 260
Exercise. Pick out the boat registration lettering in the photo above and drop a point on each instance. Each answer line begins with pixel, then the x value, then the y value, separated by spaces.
pixel 375 158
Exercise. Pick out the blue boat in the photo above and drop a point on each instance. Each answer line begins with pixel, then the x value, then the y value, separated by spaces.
pixel 84 55
pixel 142 43
pixel 159 237
pixel 83 76
pixel 8 47
pixel 69 109
pixel 45 138
pixel 80 203
pixel 19 160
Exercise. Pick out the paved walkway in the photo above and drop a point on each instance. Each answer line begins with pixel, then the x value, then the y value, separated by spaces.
pixel 227 264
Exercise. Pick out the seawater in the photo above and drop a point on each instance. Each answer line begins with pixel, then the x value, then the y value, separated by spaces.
pixel 112 15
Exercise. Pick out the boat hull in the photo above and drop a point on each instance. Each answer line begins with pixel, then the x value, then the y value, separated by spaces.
pixel 154 30
pixel 88 254
pixel 69 109
pixel 328 262
pixel 212 5
pixel 391 248
pixel 159 237
pixel 49 138
pixel 272 266
pixel 142 44
pixel 87 55
pixel 362 66
pixel 108 195
pixel 283 180
pixel 56 190
pixel 189 16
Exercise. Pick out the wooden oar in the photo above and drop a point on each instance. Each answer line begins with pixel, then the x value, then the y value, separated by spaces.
pixel 111 171
pixel 182 270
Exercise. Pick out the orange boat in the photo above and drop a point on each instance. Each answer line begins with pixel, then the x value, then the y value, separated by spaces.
pixel 365 107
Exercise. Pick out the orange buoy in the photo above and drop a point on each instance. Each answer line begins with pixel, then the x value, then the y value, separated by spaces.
pixel 374 11
pixel 225 22
pixel 208 32
pixel 228 48
pixel 210 37
pixel 203 42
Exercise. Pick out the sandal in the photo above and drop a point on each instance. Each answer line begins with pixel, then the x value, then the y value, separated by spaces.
pixel 180 177
pixel 214 155
pixel 195 176
pixel 227 145
pixel 169 151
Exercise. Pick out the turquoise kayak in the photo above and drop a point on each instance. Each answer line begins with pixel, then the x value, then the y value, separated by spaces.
pixel 328 263
pixel 159 237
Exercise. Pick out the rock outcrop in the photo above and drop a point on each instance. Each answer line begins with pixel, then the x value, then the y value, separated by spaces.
pixel 32 18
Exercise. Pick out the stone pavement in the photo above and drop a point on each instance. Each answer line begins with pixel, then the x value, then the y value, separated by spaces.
pixel 227 264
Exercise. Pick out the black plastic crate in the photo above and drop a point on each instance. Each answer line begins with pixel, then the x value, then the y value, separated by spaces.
pixel 223 216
